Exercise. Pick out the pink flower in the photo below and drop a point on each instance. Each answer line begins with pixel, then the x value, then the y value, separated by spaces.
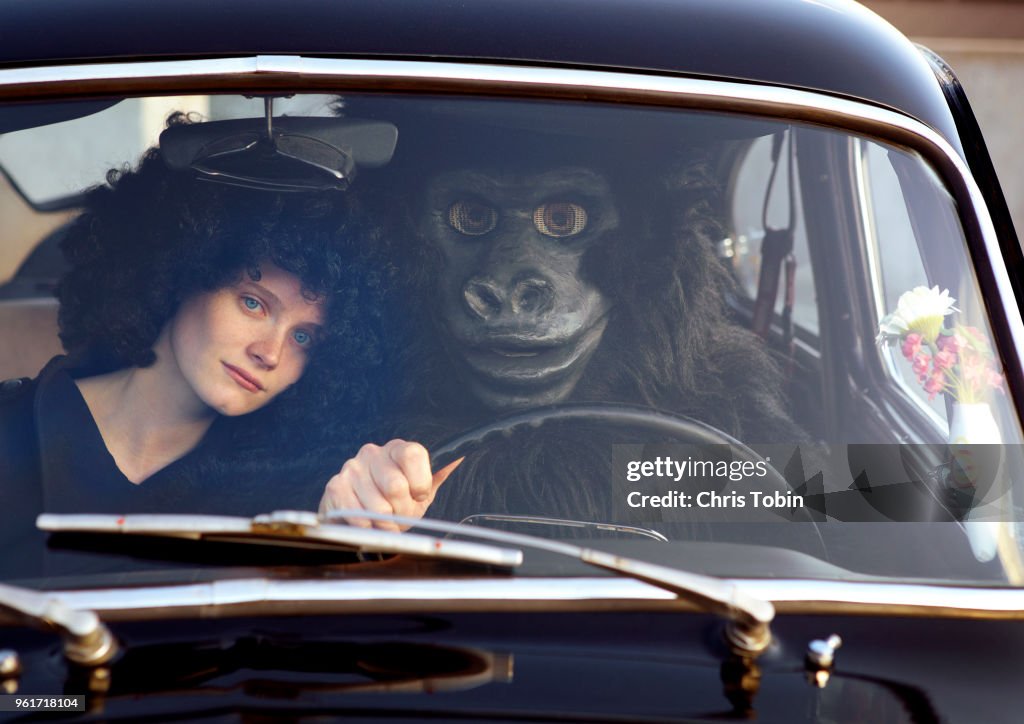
pixel 956 360
pixel 951 342
pixel 974 369
pixel 935 384
pixel 911 345
pixel 945 359
pixel 921 363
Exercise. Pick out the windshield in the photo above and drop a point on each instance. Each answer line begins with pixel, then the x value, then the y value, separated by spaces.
pixel 728 344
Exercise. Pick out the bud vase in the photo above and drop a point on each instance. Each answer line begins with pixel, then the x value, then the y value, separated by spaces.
pixel 974 424
pixel 975 444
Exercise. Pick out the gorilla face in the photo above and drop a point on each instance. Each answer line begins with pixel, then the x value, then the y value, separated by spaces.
pixel 516 312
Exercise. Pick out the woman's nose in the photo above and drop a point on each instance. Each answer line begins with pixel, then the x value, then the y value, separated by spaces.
pixel 266 351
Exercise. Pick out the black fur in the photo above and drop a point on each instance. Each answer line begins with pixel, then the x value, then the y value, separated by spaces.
pixel 670 344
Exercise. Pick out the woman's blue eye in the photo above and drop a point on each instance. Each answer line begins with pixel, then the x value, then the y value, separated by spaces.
pixel 303 339
pixel 251 303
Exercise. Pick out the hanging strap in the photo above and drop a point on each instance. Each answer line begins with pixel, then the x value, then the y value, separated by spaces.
pixel 777 245
pixel 787 311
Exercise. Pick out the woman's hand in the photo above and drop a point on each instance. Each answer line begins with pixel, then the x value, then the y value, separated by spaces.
pixel 394 478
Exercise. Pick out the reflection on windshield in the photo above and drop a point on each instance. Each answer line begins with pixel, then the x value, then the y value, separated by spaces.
pixel 195 339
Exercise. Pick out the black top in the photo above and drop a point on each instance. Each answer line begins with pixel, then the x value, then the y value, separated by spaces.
pixel 53 459
pixel 78 473
pixel 836 46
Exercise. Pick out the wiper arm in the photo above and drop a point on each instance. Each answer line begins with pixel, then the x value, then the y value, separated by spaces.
pixel 747 633
pixel 289 528
pixel 749 617
pixel 87 640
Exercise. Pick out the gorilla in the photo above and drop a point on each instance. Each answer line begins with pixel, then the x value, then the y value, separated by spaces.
pixel 516 312
pixel 548 263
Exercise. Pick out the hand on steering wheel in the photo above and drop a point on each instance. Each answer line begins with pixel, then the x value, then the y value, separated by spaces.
pixel 397 478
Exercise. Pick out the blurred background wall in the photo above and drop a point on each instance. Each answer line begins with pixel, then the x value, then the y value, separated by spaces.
pixel 983 41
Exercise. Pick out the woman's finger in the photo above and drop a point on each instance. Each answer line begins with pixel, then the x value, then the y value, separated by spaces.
pixel 391 482
pixel 414 462
pixel 339 495
pixel 370 498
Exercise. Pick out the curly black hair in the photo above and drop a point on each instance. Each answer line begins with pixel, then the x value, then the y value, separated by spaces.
pixel 152 237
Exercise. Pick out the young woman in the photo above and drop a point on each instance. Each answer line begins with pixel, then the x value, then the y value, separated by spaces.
pixel 225 354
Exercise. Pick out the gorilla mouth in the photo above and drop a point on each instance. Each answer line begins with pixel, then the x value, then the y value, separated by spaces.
pixel 515 353
pixel 531 363
pixel 522 366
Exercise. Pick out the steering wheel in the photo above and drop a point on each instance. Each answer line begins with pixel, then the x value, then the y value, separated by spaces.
pixel 685 429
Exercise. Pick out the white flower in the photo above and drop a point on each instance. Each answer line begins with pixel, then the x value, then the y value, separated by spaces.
pixel 890 328
pixel 920 310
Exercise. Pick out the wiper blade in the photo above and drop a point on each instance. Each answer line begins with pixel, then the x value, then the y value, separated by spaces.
pixel 288 528
pixel 478 518
pixel 748 632
pixel 87 640
pixel 749 617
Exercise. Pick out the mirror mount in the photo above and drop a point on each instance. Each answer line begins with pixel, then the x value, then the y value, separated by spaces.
pixel 286 153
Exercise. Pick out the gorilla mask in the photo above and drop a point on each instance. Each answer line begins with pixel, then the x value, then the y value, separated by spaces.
pixel 516 312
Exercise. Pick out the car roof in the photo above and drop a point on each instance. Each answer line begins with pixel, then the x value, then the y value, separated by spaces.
pixel 835 46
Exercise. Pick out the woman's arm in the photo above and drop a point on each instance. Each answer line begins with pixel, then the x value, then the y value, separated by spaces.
pixel 392 478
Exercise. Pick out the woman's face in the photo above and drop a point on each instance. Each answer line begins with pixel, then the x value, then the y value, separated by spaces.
pixel 242 345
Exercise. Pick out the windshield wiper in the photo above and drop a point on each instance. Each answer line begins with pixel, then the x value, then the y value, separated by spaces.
pixel 484 518
pixel 87 640
pixel 747 633
pixel 288 528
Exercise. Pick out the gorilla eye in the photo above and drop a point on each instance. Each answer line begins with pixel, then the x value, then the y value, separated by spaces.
pixel 561 218
pixel 472 217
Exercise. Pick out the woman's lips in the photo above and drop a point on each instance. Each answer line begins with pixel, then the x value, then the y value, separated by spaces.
pixel 243 378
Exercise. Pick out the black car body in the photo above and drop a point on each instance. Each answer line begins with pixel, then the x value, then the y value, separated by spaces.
pixel 822 126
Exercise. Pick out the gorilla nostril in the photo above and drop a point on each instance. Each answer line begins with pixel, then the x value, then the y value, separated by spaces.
pixel 531 296
pixel 483 299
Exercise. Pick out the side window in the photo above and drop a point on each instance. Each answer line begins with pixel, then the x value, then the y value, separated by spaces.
pixel 896 259
pixel 760 201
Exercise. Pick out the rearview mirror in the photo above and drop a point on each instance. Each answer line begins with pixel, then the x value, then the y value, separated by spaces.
pixel 280 154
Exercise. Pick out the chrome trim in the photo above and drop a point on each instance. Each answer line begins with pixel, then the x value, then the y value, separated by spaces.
pixel 87 640
pixel 963 599
pixel 152 70
pixel 867 221
pixel 554 82
pixel 289 597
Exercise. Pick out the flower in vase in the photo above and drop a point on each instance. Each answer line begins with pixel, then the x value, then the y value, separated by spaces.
pixel 952 342
pixel 920 311
pixel 945 359
pixel 920 363
pixel 911 345
pixel 935 383
pixel 957 361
